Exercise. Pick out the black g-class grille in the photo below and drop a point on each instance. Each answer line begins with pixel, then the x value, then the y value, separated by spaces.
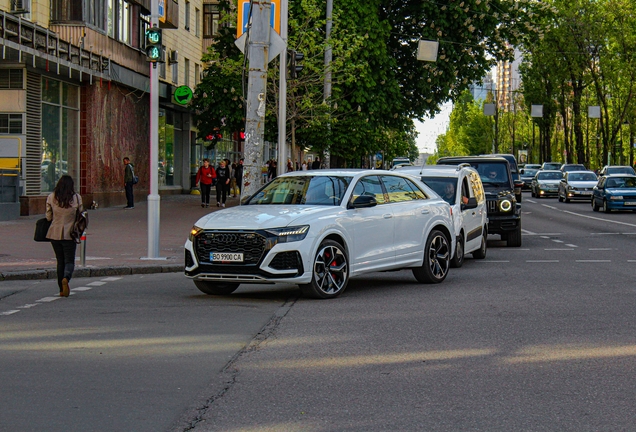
pixel 251 245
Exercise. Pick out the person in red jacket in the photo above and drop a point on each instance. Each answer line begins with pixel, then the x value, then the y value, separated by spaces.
pixel 205 176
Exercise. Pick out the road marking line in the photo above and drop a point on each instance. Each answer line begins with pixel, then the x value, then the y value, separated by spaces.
pixel 600 249
pixel 489 261
pixel 605 233
pixel 550 207
pixel 48 299
pixel 599 219
pixel 571 245
pixel 593 261
pixel 96 283
pixel 28 306
pixel 530 201
pixel 558 249
pixel 542 261
pixel 631 260
pixel 557 241
pixel 516 249
pixel 629 233
pixel 111 279
pixel 11 312
pixel 527 232
pixel 81 289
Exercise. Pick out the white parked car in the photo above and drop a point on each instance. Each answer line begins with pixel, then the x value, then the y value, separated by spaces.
pixel 319 228
pixel 461 187
pixel 577 185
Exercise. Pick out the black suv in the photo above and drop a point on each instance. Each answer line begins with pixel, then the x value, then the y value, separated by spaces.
pixel 502 194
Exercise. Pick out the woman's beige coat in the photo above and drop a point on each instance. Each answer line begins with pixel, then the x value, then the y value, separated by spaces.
pixel 62 218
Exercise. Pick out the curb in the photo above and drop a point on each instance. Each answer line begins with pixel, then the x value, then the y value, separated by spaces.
pixel 92 272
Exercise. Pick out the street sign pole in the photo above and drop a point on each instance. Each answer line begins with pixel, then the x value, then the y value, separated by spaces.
pixel 282 94
pixel 153 197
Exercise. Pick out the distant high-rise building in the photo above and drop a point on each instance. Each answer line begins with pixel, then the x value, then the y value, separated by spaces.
pixel 480 91
pixel 508 82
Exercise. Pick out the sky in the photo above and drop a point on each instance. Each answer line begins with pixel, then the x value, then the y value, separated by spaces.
pixel 429 129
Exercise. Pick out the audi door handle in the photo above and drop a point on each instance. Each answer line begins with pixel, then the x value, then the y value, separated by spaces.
pixel 387 216
pixel 425 211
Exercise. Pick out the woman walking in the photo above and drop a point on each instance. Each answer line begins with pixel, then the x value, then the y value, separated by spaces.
pixel 205 176
pixel 222 183
pixel 61 208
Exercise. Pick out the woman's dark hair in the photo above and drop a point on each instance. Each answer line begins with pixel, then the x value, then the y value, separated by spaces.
pixel 64 191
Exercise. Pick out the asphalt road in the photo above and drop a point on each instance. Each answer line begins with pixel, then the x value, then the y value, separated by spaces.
pixel 536 338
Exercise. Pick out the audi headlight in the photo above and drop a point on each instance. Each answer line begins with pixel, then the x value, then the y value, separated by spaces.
pixel 290 234
pixel 616 197
pixel 505 205
pixel 194 232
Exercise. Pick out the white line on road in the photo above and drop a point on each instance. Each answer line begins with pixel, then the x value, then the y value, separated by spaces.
pixel 527 232
pixel 558 249
pixel 605 233
pixel 571 245
pixel 28 306
pixel 631 260
pixel 542 261
pixel 557 241
pixel 492 261
pixel 530 201
pixel 599 219
pixel 111 279
pixel 96 283
pixel 599 249
pixel 81 289
pixel 11 312
pixel 550 207
pixel 48 299
pixel 593 261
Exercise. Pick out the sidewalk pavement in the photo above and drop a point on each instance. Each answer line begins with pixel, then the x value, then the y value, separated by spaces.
pixel 116 241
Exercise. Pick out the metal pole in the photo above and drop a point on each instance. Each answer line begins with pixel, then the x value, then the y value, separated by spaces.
pixel 328 57
pixel 83 249
pixel 282 93
pixel 256 95
pixel 153 197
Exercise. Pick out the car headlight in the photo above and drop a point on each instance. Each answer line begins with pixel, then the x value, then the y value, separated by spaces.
pixel 290 234
pixel 505 205
pixel 616 197
pixel 194 232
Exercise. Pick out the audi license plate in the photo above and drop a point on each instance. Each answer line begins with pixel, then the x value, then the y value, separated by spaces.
pixel 226 257
pixel 586 193
pixel 630 203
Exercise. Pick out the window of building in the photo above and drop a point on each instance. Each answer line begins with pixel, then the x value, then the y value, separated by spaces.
pixel 11 79
pixel 197 22
pixel 187 15
pixel 175 73
pixel 210 20
pixel 124 21
pixel 197 74
pixel 186 72
pixel 92 12
pixel 11 123
pixel 60 132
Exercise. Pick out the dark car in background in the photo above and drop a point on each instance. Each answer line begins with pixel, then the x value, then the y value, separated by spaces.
pixel 551 166
pixel 616 169
pixel 503 194
pixel 615 192
pixel 526 175
pixel 572 167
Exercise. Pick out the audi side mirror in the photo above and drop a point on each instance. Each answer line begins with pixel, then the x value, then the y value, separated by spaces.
pixel 363 201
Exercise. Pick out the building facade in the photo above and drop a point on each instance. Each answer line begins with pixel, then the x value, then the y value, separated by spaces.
pixel 74 82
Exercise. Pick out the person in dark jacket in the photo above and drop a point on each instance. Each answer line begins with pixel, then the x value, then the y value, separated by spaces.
pixel 205 176
pixel 61 208
pixel 316 163
pixel 222 183
pixel 128 184
pixel 271 170
pixel 238 175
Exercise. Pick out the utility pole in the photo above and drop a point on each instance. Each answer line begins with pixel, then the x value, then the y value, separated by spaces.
pixel 282 93
pixel 328 57
pixel 153 197
pixel 258 51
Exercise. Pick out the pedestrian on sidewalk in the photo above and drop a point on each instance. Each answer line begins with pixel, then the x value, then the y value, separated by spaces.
pixel 290 167
pixel 128 184
pixel 222 183
pixel 61 207
pixel 206 175
pixel 315 164
pixel 271 171
pixel 238 175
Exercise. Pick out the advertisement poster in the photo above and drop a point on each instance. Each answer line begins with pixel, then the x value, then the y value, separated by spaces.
pixel 522 157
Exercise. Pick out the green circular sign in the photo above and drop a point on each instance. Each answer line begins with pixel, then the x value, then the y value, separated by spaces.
pixel 183 95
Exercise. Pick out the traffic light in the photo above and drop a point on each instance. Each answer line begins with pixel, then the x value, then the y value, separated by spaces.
pixel 294 66
pixel 154 50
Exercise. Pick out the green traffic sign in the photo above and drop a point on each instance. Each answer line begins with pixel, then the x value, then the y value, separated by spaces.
pixel 183 95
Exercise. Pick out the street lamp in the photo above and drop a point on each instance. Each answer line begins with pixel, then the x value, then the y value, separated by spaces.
pixel 536 111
